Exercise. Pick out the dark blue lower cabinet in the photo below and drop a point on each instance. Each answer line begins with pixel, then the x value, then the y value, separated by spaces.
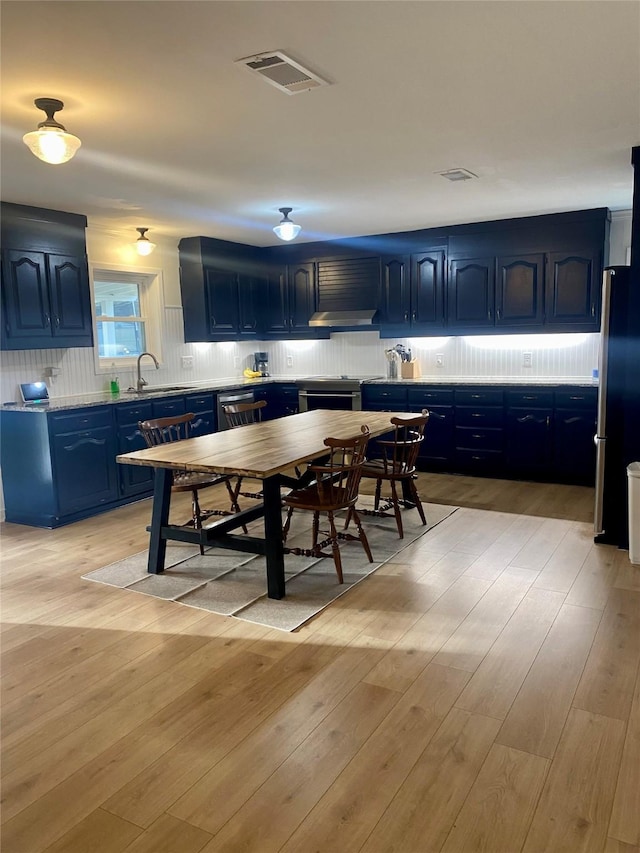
pixel 574 457
pixel 84 468
pixel 529 442
pixel 133 479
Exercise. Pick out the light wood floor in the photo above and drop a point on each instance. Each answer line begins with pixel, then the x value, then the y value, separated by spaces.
pixel 479 693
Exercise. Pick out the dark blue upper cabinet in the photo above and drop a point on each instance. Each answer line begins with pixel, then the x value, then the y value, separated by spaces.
pixel 471 293
pixel 520 291
pixel 45 281
pixel 413 293
pixel 573 289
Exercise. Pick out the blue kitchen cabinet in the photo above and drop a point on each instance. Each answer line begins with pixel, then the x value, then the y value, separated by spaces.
pixel 46 300
pixel 203 407
pixel 58 466
pixel 529 432
pixel 437 449
pixel 133 479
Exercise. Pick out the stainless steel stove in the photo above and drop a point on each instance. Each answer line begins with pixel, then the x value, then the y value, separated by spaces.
pixel 331 392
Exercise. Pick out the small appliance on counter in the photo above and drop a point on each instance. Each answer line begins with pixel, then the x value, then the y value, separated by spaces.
pixel 261 364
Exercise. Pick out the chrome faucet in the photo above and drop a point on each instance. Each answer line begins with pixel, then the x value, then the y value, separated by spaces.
pixel 142 382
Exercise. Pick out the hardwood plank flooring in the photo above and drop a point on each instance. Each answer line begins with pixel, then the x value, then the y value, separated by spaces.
pixel 481 691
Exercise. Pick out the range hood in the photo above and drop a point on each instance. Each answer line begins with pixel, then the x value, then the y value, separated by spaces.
pixel 342 319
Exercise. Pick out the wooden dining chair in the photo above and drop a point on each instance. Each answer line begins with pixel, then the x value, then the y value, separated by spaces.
pixel 335 489
pixel 239 415
pixel 397 465
pixel 176 428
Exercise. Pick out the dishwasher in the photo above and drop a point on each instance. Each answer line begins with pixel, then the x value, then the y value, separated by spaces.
pixel 225 398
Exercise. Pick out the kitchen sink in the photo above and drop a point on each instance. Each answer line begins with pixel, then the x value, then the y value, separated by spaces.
pixel 158 389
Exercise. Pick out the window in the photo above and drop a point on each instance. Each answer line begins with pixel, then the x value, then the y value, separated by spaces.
pixel 126 316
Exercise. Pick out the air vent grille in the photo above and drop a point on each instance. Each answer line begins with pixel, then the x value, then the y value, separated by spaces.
pixel 282 72
pixel 457 175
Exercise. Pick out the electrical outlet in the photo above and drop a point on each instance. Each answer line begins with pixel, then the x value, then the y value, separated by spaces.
pixel 527 359
pixel 187 362
pixel 236 361
pixel 289 361
pixel 439 360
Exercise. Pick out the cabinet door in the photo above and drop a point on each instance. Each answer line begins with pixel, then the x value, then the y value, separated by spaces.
pixel 436 451
pixel 133 479
pixel 27 313
pixel 520 293
pixel 250 290
pixel 77 453
pixel 427 291
pixel 396 295
pixel 575 454
pixel 277 301
pixel 70 303
pixel 302 300
pixel 572 289
pixel 470 293
pixel 529 447
pixel 221 287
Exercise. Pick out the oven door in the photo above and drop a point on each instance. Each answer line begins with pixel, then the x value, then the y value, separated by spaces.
pixel 342 400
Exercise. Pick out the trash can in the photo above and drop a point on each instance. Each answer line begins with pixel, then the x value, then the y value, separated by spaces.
pixel 633 476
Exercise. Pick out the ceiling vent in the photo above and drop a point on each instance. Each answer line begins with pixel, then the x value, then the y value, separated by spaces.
pixel 457 175
pixel 282 72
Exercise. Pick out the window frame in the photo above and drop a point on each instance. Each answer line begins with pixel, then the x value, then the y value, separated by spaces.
pixel 150 293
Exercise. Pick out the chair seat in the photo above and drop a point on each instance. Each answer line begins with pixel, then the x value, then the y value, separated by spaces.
pixel 376 468
pixel 311 498
pixel 187 480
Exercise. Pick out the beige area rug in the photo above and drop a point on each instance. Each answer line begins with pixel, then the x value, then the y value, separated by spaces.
pixel 233 583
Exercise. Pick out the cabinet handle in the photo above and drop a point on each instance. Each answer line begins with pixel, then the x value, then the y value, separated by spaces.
pixel 489 314
pixel 476 435
pixel 57 322
pixel 406 316
pixel 212 320
pixel 499 314
pixel 593 310
pixel 413 316
pixel 548 420
pixel 528 397
pixel 47 320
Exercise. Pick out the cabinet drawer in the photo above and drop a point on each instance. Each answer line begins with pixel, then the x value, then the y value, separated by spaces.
pixel 481 439
pixel 131 413
pixel 479 396
pixel 578 399
pixel 167 408
pixel 430 397
pixel 199 402
pixel 479 416
pixel 385 394
pixel 530 399
pixel 484 461
pixel 80 420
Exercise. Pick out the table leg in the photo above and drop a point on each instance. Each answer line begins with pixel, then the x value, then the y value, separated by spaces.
pixel 273 537
pixel 163 478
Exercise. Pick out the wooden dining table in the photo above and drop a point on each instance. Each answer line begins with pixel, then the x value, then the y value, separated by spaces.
pixel 265 451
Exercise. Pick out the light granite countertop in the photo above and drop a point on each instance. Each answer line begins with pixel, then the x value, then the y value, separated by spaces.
pixel 81 401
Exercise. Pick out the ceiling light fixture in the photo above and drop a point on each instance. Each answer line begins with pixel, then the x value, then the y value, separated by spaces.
pixel 143 244
pixel 51 142
pixel 286 230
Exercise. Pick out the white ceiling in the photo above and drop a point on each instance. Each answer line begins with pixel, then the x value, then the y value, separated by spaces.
pixel 540 99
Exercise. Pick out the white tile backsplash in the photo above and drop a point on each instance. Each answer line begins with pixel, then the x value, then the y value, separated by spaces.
pixel 353 353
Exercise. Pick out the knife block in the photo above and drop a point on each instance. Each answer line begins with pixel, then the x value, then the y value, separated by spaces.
pixel 410 370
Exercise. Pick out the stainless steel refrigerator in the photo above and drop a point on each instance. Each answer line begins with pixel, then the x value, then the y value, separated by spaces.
pixel 616 437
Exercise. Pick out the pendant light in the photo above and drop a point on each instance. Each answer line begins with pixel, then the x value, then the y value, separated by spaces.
pixel 143 244
pixel 286 230
pixel 51 142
